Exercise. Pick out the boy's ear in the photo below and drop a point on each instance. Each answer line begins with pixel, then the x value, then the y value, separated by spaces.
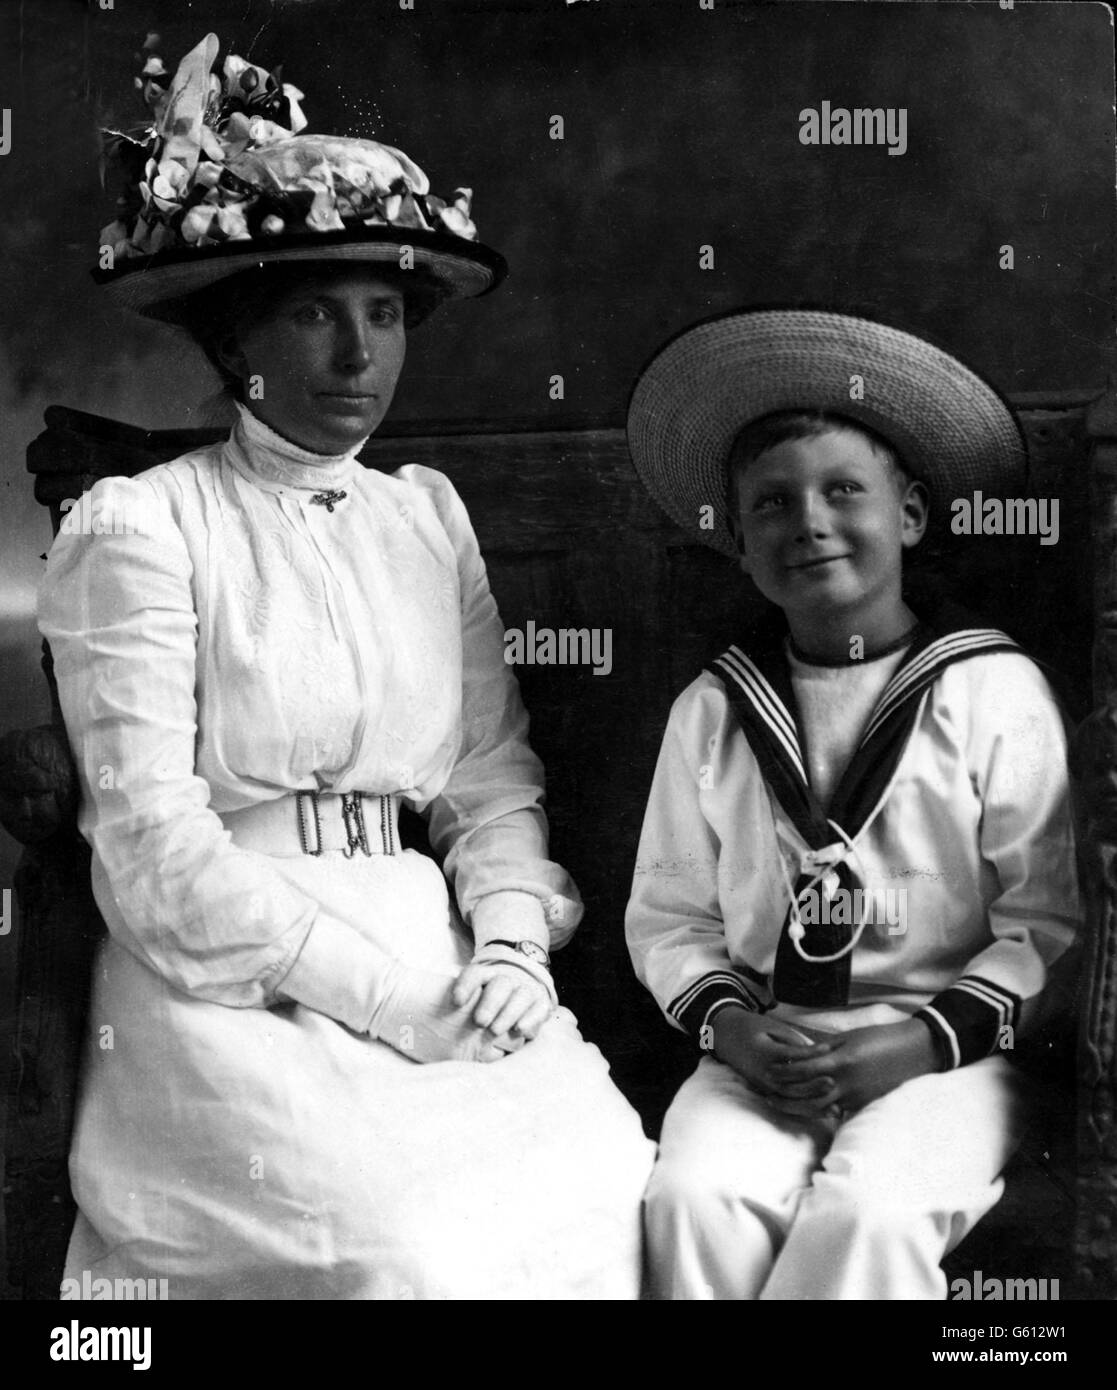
pixel 915 508
pixel 229 354
pixel 739 541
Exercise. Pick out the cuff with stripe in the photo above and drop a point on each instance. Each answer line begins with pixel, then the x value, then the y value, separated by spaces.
pixel 696 1006
pixel 967 1020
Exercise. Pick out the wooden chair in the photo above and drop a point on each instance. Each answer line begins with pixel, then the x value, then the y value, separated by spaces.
pixel 572 540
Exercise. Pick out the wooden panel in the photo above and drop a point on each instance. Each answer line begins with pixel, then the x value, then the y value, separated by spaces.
pixel 1095 766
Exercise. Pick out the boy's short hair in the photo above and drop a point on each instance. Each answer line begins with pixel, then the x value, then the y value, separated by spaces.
pixel 758 436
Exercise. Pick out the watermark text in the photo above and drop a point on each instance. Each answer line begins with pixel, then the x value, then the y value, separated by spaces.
pixel 565 646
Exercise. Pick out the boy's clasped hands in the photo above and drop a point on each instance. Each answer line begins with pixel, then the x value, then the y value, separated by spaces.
pixel 810 1074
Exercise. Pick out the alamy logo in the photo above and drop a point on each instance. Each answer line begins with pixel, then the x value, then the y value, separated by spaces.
pixel 1007 1290
pixel 107 516
pixel 864 125
pixel 91 1290
pixel 1006 516
pixel 566 646
pixel 880 907
pixel 77 1343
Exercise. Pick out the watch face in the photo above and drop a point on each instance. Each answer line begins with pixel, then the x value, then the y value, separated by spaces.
pixel 533 952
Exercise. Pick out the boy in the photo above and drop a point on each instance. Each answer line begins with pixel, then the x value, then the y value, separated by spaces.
pixel 856 865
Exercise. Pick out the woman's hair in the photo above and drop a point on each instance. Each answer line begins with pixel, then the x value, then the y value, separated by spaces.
pixel 758 436
pixel 214 316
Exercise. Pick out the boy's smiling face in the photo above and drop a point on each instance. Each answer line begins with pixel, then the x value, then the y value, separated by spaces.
pixel 822 523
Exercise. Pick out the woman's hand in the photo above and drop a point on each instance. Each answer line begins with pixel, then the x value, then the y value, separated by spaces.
pixel 857 1067
pixel 419 1016
pixel 503 999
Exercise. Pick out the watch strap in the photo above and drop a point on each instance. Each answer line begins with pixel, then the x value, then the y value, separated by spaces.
pixel 504 953
pixel 518 947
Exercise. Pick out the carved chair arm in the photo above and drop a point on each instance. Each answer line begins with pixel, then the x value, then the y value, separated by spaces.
pixel 38 784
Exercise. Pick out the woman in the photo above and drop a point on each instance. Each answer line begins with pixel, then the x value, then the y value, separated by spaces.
pixel 304 1079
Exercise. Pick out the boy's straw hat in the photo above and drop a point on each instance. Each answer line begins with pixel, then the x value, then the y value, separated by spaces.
pixel 223 180
pixel 953 430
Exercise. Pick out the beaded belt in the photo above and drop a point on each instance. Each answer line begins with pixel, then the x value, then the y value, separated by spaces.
pixel 315 822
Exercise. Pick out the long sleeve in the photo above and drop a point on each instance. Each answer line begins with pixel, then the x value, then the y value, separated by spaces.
pixel 215 921
pixel 488 820
pixel 1018 765
pixel 673 923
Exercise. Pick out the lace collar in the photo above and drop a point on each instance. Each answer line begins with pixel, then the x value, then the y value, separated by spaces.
pixel 276 465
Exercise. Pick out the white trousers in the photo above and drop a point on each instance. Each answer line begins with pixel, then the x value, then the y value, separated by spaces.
pixel 747 1203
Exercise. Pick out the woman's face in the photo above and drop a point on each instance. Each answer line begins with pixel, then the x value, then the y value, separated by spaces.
pixel 320 365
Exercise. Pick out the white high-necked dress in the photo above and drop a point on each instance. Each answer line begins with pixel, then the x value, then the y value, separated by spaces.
pixel 222 639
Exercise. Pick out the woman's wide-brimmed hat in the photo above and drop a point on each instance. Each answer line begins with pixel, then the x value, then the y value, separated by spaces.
pixel 952 429
pixel 224 179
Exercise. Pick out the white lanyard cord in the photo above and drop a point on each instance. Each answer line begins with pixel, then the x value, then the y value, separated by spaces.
pixel 796 930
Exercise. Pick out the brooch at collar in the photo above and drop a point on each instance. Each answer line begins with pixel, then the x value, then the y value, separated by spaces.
pixel 327 499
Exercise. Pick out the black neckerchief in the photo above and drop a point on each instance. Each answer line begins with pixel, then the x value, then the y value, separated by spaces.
pixel 759 690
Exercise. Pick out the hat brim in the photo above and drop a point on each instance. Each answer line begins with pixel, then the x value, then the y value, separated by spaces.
pixel 953 430
pixel 155 286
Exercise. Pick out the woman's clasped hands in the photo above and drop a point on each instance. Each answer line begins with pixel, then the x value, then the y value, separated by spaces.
pixel 504 999
pixel 490 1009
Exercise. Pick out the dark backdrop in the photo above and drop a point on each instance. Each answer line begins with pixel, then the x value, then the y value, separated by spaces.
pixel 681 130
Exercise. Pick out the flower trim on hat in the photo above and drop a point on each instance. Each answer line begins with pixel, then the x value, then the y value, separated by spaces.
pixel 224 159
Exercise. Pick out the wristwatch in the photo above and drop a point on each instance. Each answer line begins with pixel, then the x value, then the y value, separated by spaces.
pixel 531 949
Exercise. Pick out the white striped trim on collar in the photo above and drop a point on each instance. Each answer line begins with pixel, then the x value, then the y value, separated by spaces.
pixel 776 715
pixel 955 645
pixel 768 704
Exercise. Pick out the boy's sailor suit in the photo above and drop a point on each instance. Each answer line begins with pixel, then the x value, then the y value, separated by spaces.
pixel 952 817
